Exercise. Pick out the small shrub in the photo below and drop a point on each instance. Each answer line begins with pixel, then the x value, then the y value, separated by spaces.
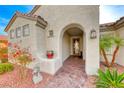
pixel 22 56
pixel 110 79
pixel 6 67
pixel 4 60
pixel 2 69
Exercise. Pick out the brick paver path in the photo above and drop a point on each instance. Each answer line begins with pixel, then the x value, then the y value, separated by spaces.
pixel 71 75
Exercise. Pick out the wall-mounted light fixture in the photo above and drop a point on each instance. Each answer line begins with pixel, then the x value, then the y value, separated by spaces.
pixel 93 34
pixel 51 34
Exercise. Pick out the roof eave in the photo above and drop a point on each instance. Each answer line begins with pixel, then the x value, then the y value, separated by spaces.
pixel 113 25
pixel 10 22
pixel 42 23
pixel 35 9
pixel 39 20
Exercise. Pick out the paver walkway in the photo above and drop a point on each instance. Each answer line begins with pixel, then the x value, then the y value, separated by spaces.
pixel 71 75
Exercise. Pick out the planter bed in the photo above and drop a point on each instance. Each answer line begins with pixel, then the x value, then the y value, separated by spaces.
pixel 12 80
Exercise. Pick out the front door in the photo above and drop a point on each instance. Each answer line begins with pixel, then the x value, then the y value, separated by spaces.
pixel 76 46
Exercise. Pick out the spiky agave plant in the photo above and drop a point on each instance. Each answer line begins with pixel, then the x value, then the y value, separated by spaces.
pixel 110 79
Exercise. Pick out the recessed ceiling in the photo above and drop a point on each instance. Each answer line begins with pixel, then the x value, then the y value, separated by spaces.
pixel 74 31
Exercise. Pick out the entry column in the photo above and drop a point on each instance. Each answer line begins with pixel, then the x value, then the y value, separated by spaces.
pixel 92 54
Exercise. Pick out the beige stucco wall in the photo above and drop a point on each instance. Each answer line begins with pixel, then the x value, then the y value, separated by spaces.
pixel 24 42
pixel 19 22
pixel 66 47
pixel 41 41
pixel 58 17
pixel 120 56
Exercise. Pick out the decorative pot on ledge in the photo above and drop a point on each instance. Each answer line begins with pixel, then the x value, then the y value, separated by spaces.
pixel 50 54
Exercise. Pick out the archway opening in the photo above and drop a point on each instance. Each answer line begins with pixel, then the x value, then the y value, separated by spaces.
pixel 73 43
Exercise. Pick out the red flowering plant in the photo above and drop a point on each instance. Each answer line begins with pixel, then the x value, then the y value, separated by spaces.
pixel 50 54
pixel 20 56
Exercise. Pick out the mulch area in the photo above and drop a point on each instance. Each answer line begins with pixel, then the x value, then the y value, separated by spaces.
pixel 12 79
pixel 119 68
pixel 90 82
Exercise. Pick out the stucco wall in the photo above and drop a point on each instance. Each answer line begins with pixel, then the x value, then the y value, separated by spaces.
pixel 65 46
pixel 41 41
pixel 60 16
pixel 84 46
pixel 24 42
pixel 19 22
pixel 120 56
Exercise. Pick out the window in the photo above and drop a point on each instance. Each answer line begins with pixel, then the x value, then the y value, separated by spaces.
pixel 12 34
pixel 26 30
pixel 27 49
pixel 18 32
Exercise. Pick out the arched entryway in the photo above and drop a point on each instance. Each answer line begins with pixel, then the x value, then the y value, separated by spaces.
pixel 90 48
pixel 72 73
pixel 72 42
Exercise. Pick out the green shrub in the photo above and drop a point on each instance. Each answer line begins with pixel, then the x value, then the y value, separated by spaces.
pixel 110 79
pixel 6 67
pixel 4 60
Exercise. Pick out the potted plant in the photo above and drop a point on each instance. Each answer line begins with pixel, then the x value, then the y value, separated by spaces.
pixel 50 54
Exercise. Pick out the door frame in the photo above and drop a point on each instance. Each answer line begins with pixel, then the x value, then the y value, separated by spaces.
pixel 78 38
pixel 71 45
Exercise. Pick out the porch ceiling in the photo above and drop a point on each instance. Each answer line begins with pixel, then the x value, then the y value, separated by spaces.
pixel 74 31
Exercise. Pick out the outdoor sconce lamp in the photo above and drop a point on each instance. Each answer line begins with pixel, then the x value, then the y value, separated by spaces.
pixel 51 34
pixel 93 34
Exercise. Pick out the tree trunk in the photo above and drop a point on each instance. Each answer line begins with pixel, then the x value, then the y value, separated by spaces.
pixel 105 57
pixel 114 55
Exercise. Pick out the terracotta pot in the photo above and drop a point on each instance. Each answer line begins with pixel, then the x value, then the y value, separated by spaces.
pixel 49 56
